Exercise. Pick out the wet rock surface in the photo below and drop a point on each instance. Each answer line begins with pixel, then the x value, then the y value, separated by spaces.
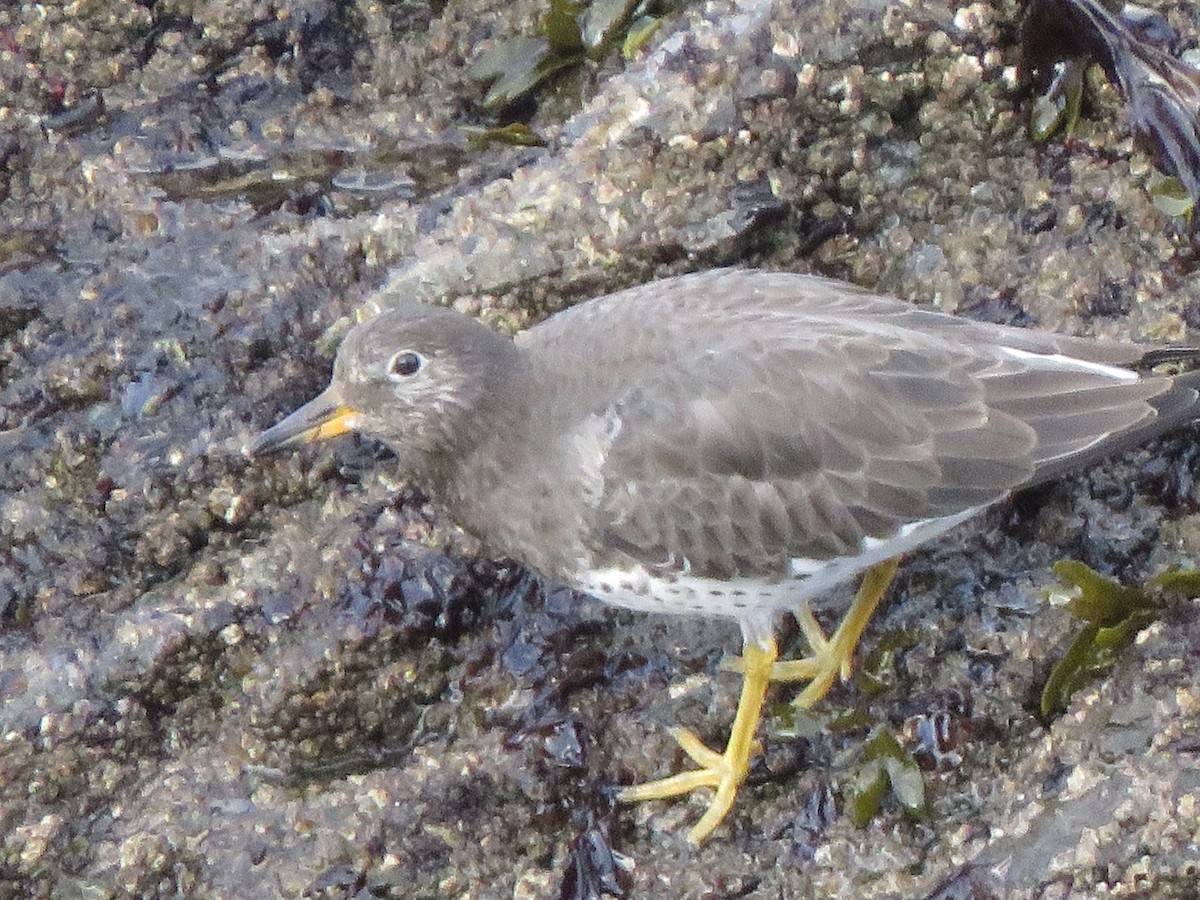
pixel 222 678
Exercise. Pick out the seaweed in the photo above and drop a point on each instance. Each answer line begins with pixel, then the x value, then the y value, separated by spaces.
pixel 569 34
pixel 1113 615
pixel 1060 39
pixel 887 769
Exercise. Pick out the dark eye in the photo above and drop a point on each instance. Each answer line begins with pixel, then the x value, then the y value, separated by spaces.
pixel 405 363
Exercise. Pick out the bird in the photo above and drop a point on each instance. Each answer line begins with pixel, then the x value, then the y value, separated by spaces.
pixel 733 443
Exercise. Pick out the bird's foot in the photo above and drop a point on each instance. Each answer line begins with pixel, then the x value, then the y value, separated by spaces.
pixel 726 771
pixel 831 658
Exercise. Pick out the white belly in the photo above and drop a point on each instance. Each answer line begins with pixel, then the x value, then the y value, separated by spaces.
pixel 747 598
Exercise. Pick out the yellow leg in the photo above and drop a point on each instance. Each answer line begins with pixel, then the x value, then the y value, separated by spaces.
pixel 723 771
pixel 833 657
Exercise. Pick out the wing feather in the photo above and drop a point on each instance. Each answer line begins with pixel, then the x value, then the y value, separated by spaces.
pixel 764 418
pixel 738 481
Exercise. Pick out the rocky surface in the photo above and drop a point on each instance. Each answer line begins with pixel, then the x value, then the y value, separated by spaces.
pixel 222 678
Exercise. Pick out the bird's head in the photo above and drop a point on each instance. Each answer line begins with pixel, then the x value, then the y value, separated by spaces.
pixel 422 379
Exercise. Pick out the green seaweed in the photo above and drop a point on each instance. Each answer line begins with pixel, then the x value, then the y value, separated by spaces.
pixel 607 23
pixel 887 768
pixel 850 720
pixel 1057 109
pixel 641 30
pixel 877 674
pixel 515 134
pixel 569 34
pixel 561 27
pixel 1113 614
pixel 516 67
pixel 1170 197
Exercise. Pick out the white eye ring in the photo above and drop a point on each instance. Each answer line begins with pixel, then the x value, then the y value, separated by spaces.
pixel 404 364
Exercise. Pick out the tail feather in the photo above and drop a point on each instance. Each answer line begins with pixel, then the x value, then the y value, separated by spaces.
pixel 1065 441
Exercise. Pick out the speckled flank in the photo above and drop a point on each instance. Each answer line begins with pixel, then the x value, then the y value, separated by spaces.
pixel 737 598
pixel 637 588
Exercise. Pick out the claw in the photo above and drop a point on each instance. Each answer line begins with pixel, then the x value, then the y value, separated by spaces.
pixel 723 771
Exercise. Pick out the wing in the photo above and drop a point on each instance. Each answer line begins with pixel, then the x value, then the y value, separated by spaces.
pixel 753 456
pixel 752 418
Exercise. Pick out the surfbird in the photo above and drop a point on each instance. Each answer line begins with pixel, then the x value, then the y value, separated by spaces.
pixel 732 443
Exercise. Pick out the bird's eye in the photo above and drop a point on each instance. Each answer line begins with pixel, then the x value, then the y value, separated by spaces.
pixel 404 364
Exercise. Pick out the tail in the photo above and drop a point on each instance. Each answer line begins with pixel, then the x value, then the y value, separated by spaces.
pixel 1188 358
pixel 1109 411
pixel 1179 404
